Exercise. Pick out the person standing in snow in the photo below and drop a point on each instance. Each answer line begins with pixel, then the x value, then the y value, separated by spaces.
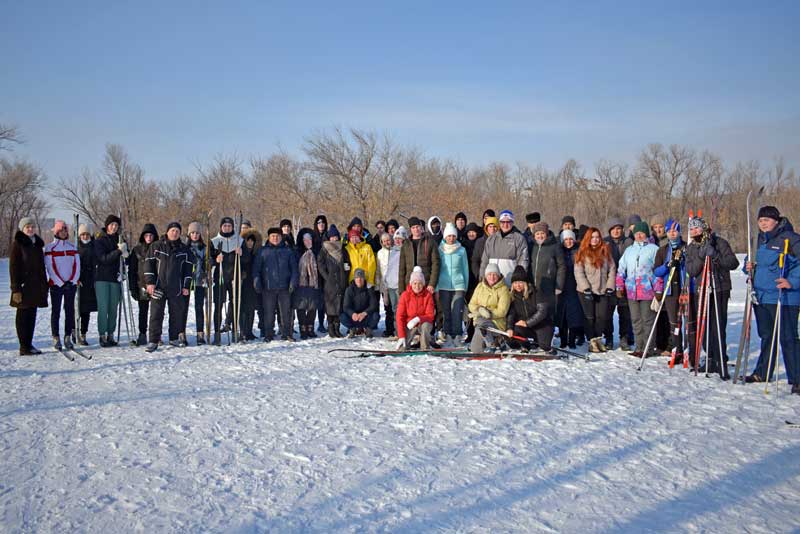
pixel 320 235
pixel 136 280
pixel 568 305
pixel 547 268
pixel 28 282
pixel 197 247
pixel 225 246
pixel 87 297
pixel 386 276
pixel 506 248
pixel 108 249
pixel 672 255
pixel 420 250
pixel 453 284
pixel 331 268
pixel 250 301
pixel 595 277
pixel 306 296
pixel 616 243
pixel 63 265
pixel 460 221
pixel 275 277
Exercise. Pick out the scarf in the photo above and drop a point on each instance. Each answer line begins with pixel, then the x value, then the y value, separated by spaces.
pixel 334 250
pixel 309 277
pixel 449 249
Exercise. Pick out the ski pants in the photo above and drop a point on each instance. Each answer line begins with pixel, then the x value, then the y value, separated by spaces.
pixel 452 305
pixel 642 318
pixel 277 301
pixel 26 324
pixel 177 306
pixel 108 296
pixel 789 344
pixel 425 333
pixel 65 293
pixel 595 314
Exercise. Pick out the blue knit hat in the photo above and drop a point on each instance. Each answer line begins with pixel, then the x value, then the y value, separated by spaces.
pixel 333 231
pixel 673 225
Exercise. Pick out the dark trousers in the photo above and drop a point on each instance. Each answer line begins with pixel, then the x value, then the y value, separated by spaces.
pixel 389 319
pixel 26 323
pixel 542 333
pixel 625 323
pixel 789 344
pixel 663 340
pixel 199 309
pixel 595 314
pixel 176 305
pixel 277 301
pixel 452 305
pixel 144 310
pixel 305 318
pixel 710 339
pixel 65 293
pixel 221 293
pixel 85 318
pixel 370 321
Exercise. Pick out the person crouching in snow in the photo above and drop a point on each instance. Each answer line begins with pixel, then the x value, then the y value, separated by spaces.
pixel 488 307
pixel 360 309
pixel 415 313
pixel 526 316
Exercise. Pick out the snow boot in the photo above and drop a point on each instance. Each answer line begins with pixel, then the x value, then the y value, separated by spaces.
pixel 102 340
pixel 140 341
pixel 68 343
pixel 110 341
pixel 201 339
pixel 82 340
pixel 368 333
pixel 182 340
pixel 57 343
pixel 151 347
pixel 217 339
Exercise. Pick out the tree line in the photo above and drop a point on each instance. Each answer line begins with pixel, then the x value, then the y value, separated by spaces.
pixel 344 172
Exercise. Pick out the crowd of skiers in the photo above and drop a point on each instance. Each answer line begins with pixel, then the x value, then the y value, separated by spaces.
pixel 436 284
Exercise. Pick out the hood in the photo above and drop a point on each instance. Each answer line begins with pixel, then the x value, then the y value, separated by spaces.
pixel 255 233
pixel 299 241
pixel 783 226
pixel 430 220
pixel 149 228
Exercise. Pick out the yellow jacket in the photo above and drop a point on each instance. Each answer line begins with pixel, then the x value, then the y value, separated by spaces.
pixel 496 299
pixel 361 257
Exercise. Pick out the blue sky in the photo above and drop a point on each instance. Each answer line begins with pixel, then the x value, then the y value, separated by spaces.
pixel 178 83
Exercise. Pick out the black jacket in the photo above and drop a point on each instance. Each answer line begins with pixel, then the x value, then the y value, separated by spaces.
pixel 359 299
pixel 169 266
pixel 535 314
pixel 547 269
pixel 330 264
pixel 87 296
pixel 106 257
pixel 723 261
pixel 136 268
pixel 27 273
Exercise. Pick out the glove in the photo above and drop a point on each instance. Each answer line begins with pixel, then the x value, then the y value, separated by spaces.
pixel 401 344
pixel 257 284
pixel 709 251
pixel 123 248
pixel 609 292
pixel 16 297
pixel 412 323
pixel 588 295
pixel 675 263
pixel 558 291
pixel 484 312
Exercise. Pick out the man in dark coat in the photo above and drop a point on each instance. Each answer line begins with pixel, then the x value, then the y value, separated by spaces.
pixel 421 249
pixel 547 268
pixel 360 309
pixel 28 282
pixel 275 276
pixel 168 277
pixel 617 243
pixel 137 284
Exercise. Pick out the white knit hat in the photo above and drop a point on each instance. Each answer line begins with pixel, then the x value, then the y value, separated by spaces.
pixel 417 274
pixel 565 234
pixel 450 229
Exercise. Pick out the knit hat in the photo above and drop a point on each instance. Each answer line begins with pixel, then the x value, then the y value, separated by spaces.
pixel 697 222
pixel 174 224
pixel 247 222
pixel 360 274
pixel 519 274
pixel 567 234
pixel 392 222
pixel 83 229
pixel 450 229
pixel 58 226
pixel 460 215
pixel 417 275
pixel 491 220
pixel 506 215
pixel 641 226
pixel 415 221
pixel 615 221
pixel 285 222
pixel 333 231
pixel 23 222
pixel 492 268
pixel 633 219
pixel 112 219
pixel 672 224
pixel 351 233
pixel 401 232
pixel 568 219
pixel 658 219
pixel 489 213
pixel 541 226
pixel 533 218
pixel 769 211
pixel 307 235
pixel 225 220
pixel 274 230
pixel 355 221
pixel 473 227
pixel 194 226
pixel 319 219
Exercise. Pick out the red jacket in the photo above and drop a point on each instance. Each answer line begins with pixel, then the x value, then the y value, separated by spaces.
pixel 412 305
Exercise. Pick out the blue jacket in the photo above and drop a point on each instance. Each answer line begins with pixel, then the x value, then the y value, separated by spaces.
pixel 635 271
pixel 663 258
pixel 770 247
pixel 275 267
pixel 453 269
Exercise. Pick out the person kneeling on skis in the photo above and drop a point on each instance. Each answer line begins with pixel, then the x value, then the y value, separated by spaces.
pixel 415 313
pixel 488 307
pixel 528 317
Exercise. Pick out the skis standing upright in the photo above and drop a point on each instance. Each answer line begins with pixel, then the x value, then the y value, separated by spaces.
pixel 76 332
pixel 238 287
pixel 209 279
pixel 125 297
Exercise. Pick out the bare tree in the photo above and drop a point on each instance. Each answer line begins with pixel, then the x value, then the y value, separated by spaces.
pixel 23 185
pixel 9 135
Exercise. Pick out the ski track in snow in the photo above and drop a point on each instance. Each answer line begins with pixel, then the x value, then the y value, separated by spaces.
pixel 286 438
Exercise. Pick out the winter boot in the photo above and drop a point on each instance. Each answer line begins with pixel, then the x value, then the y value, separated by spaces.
pixel 140 341
pixel 68 343
pixel 201 339
pixel 57 343
pixel 310 331
pixel 182 340
pixel 82 339
pixel 217 339
pixel 303 332
pixel 151 347
pixel 102 340
pixel 368 333
pixel 600 345
pixel 110 341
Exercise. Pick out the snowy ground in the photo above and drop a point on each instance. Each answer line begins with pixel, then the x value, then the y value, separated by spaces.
pixel 278 438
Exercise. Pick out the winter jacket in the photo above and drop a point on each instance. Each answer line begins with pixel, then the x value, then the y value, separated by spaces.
pixel 587 276
pixel 615 246
pixel 525 307
pixel 86 294
pixel 507 251
pixel 388 268
pixel 360 256
pixel 770 247
pixel 723 261
pixel 663 258
pixel 427 260
pixel 547 268
pixel 568 306
pixel 26 271
pixel 136 264
pixel 359 299
pixel 437 236
pixel 62 262
pixel 198 257
pixel 275 267
pixel 225 245
pixel 477 255
pixel 249 256
pixel 453 268
pixel 168 266
pixel 330 264
pixel 413 305
pixel 496 299
pixel 635 272
pixel 106 257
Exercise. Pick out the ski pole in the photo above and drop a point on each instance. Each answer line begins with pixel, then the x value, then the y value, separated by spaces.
pixel 776 325
pixel 655 322
pixel 722 369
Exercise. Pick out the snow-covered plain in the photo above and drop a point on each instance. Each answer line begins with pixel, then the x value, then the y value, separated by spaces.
pixel 286 438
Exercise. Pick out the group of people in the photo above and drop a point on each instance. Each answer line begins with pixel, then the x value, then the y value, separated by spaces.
pixel 437 284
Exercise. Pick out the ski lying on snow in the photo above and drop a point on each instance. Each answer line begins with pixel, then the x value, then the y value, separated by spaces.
pixel 67 354
pixel 80 353
pixel 792 425
pixel 409 352
pixel 451 354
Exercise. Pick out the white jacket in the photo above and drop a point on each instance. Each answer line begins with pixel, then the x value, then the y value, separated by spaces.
pixel 62 262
